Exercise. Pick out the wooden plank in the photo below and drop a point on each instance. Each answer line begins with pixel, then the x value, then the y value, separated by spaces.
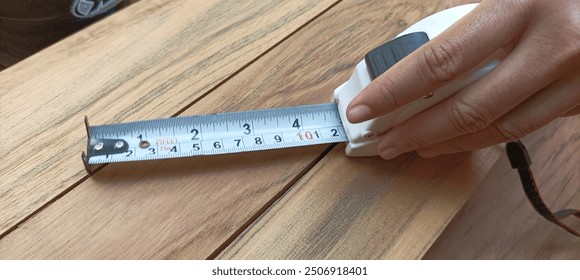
pixel 364 208
pixel 189 208
pixel 148 61
pixel 498 222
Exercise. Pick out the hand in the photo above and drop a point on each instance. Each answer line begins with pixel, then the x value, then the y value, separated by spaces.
pixel 537 82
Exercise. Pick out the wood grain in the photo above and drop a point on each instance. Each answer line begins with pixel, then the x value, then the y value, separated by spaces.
pixel 298 203
pixel 206 196
pixel 364 208
pixel 150 60
pixel 190 208
pixel 498 221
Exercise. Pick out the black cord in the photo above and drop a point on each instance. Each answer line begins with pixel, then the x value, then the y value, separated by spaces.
pixel 520 160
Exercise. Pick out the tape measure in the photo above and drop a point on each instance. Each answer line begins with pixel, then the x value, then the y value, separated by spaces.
pixel 215 134
pixel 283 127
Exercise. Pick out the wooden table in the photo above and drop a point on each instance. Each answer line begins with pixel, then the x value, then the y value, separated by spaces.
pixel 166 58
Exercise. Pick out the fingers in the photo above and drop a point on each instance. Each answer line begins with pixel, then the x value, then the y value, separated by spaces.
pixel 524 72
pixel 546 105
pixel 459 48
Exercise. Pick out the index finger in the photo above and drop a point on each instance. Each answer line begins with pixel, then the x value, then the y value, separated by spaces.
pixel 490 26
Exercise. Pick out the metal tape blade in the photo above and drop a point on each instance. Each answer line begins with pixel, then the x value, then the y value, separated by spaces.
pixel 222 133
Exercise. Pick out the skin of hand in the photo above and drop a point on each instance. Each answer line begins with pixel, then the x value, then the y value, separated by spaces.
pixel 537 82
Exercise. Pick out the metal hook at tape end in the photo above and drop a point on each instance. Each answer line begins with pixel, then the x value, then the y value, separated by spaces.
pixel 88 168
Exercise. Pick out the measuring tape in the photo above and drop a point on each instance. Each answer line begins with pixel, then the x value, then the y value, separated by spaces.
pixel 216 134
pixel 282 127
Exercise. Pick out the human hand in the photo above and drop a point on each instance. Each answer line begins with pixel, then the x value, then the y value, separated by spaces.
pixel 537 82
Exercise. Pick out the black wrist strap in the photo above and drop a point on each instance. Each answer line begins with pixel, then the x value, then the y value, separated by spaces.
pixel 520 160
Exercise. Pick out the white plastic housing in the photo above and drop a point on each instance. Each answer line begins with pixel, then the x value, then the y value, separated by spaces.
pixel 363 137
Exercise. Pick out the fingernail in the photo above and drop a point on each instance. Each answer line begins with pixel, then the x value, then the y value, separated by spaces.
pixel 358 113
pixel 389 153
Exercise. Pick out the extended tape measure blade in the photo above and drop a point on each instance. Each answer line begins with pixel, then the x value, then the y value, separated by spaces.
pixel 222 133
